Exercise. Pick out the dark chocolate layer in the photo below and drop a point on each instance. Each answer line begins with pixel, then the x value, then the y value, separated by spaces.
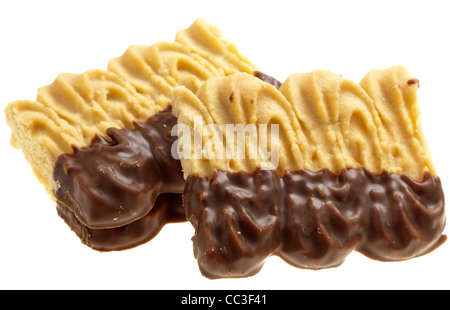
pixel 113 183
pixel 167 209
pixel 311 220
pixel 268 79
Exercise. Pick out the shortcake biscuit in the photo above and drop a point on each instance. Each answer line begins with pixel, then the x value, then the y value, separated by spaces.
pixel 324 166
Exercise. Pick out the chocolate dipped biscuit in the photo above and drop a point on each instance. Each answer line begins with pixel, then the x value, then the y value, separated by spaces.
pixel 327 167
pixel 100 141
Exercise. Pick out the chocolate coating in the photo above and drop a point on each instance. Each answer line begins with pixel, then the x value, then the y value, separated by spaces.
pixel 310 219
pixel 268 79
pixel 167 209
pixel 113 183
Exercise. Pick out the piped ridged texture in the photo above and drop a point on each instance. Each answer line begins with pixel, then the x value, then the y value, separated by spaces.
pixel 324 121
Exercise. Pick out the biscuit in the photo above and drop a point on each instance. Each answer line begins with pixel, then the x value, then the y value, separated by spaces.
pixel 87 116
pixel 349 169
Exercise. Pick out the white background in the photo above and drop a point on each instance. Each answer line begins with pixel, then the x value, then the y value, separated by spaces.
pixel 40 39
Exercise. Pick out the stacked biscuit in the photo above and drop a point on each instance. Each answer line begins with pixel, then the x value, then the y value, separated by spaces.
pixel 309 170
pixel 80 116
pixel 137 85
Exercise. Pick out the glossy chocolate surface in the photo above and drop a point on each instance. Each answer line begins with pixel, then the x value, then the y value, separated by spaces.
pixel 268 79
pixel 113 183
pixel 311 220
pixel 167 209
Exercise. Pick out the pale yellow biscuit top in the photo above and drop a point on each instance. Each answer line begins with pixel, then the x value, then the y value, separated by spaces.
pixel 207 41
pixel 324 121
pixel 138 84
